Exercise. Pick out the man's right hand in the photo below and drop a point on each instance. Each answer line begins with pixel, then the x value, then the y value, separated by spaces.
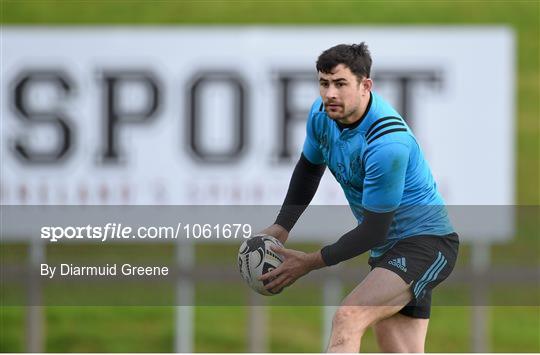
pixel 277 231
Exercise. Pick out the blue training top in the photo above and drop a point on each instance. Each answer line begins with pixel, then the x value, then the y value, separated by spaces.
pixel 381 168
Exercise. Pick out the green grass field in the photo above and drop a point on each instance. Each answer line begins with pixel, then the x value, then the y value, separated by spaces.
pixel 221 323
pixel 224 329
pixel 150 329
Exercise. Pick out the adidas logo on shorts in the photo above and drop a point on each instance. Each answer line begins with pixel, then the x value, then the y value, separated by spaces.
pixel 400 263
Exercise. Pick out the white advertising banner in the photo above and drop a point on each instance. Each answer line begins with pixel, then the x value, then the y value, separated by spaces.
pixel 216 115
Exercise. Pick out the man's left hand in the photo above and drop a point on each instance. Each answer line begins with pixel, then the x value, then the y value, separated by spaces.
pixel 295 265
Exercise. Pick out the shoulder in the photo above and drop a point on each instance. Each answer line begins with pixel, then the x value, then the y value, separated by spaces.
pixel 317 109
pixel 317 115
pixel 388 138
pixel 387 129
pixel 387 134
pixel 317 106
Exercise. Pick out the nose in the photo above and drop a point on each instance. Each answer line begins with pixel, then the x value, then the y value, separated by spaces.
pixel 330 92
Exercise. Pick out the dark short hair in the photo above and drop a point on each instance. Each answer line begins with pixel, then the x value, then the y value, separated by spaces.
pixel 355 56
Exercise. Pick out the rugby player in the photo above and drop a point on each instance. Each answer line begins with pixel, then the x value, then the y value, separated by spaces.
pixel 402 220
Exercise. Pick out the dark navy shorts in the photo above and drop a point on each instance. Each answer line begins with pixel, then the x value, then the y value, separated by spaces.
pixel 423 262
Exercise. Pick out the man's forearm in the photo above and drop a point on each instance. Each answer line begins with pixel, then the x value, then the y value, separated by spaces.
pixel 370 233
pixel 302 187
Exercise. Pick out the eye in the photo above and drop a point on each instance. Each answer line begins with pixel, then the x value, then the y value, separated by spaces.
pixel 324 84
pixel 340 85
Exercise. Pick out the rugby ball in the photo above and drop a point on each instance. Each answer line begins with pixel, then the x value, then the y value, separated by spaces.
pixel 255 258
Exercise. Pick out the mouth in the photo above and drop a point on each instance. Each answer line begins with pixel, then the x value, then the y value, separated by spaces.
pixel 333 107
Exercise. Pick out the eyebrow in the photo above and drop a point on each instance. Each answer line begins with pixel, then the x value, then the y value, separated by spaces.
pixel 335 80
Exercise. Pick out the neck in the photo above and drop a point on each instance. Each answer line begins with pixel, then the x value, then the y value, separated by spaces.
pixel 358 117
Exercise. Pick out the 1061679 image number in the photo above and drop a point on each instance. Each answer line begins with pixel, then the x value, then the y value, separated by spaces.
pixel 218 231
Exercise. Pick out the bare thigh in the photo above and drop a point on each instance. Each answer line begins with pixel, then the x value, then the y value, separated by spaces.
pixel 380 288
pixel 402 334
pixel 379 296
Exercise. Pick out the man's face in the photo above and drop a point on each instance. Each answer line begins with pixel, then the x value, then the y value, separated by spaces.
pixel 345 97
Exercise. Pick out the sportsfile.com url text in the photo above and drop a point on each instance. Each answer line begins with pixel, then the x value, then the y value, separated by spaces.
pixel 114 231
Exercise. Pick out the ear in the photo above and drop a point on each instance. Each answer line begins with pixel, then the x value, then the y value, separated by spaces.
pixel 367 84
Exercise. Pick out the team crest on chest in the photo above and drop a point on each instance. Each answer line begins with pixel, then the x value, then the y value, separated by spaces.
pixel 356 162
pixel 340 173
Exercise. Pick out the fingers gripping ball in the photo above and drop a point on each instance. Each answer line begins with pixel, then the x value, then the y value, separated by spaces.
pixel 255 258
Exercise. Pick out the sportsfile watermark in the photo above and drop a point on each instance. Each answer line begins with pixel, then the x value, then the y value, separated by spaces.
pixel 118 231
pixel 68 256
